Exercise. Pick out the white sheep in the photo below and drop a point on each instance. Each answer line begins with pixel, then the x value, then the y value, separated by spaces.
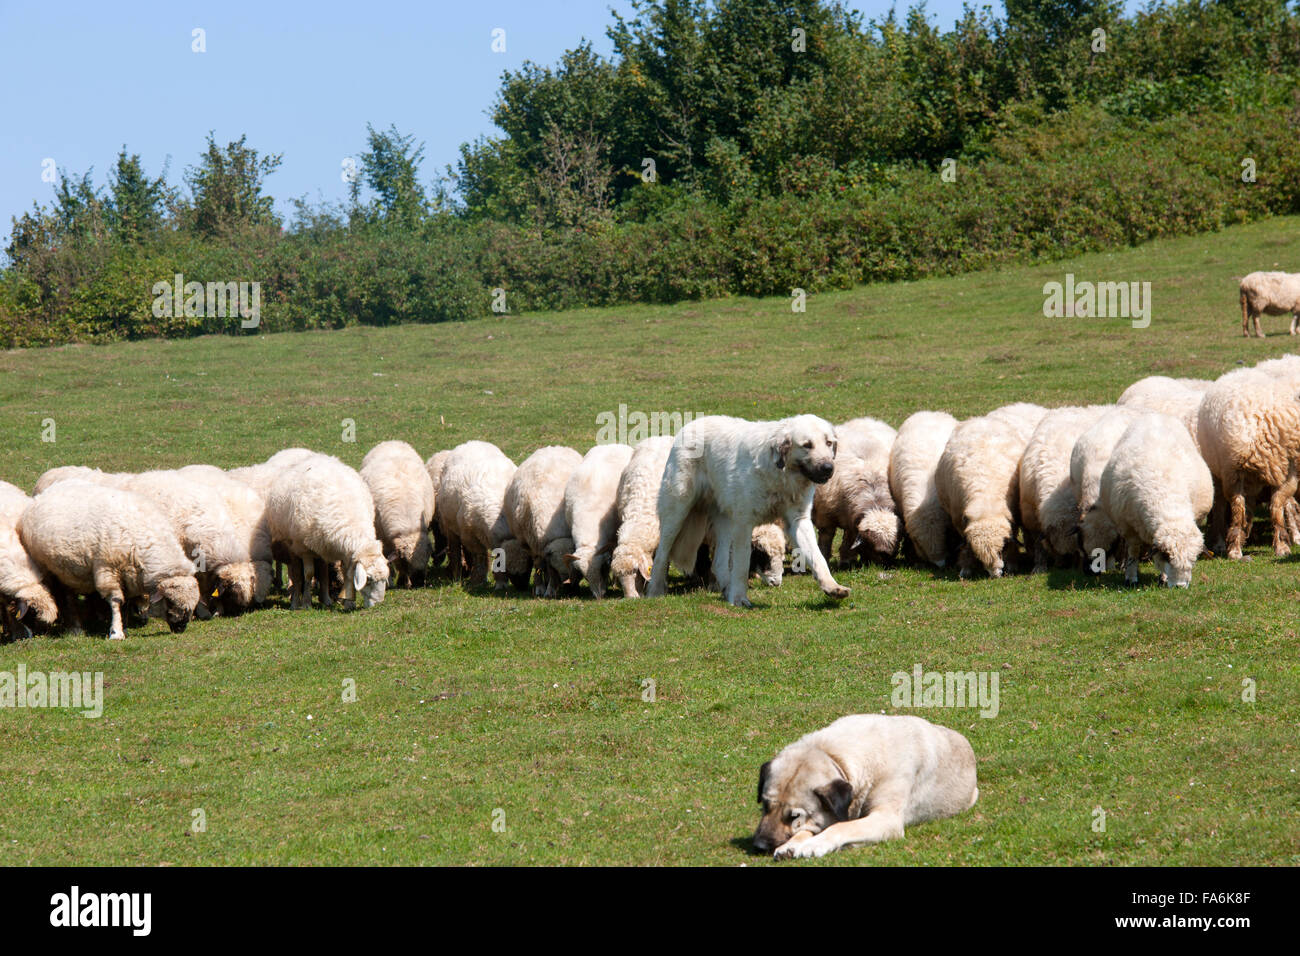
pixel 321 509
pixel 252 528
pixel 403 493
pixel 207 531
pixel 23 588
pixel 591 510
pixel 1088 459
pixel 471 510
pixel 857 501
pixel 534 509
pixel 913 460
pixel 63 473
pixel 869 439
pixel 978 479
pixel 1049 510
pixel 261 477
pixel 1172 396
pixel 1269 293
pixel 1249 431
pixel 94 538
pixel 1157 489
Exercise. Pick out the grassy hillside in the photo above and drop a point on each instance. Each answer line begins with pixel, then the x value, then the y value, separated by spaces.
pixel 470 703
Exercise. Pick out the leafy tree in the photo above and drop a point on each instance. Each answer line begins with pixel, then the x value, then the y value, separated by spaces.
pixel 390 168
pixel 136 203
pixel 226 188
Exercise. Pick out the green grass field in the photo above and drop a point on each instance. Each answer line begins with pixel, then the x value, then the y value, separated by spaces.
pixel 473 707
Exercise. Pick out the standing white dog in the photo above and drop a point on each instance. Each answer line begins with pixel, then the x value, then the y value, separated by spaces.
pixel 736 474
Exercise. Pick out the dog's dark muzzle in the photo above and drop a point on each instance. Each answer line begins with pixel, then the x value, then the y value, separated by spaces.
pixel 819 474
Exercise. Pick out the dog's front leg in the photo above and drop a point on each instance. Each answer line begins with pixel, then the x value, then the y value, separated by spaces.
pixel 876 827
pixel 805 537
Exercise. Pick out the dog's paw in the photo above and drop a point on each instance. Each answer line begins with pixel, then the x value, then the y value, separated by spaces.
pixel 803 849
pixel 838 591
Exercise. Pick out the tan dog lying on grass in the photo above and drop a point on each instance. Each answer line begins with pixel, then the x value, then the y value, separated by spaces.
pixel 861 780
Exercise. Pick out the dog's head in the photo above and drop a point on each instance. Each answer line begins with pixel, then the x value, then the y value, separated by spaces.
pixel 806 444
pixel 799 790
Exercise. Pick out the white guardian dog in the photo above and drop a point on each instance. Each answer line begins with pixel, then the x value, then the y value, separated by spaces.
pixel 735 474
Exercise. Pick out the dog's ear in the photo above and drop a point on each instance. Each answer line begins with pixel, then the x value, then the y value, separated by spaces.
pixel 763 773
pixel 779 450
pixel 836 797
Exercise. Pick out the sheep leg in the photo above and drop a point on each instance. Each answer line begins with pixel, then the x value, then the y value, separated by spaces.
pixel 296 572
pixel 454 557
pixel 323 583
pixel 1258 332
pixel 1295 317
pixel 1238 519
pixel 1284 495
pixel 1133 550
pixel 824 538
pixel 847 552
pixel 110 589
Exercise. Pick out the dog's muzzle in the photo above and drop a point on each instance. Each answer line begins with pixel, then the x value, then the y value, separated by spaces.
pixel 819 475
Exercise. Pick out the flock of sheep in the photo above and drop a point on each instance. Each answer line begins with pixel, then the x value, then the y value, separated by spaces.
pixel 1086 486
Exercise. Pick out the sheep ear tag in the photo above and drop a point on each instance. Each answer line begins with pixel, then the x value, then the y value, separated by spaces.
pixel 358 577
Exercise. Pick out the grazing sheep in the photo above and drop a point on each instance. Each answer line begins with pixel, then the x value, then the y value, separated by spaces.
pixel 1249 431
pixel 261 477
pixel 321 509
pixel 591 510
pixel 1157 489
pixel 116 543
pixel 471 510
pixel 869 439
pixel 1172 396
pixel 403 493
pixel 434 467
pixel 767 552
pixel 1024 415
pixel 534 508
pixel 857 501
pixel 913 461
pixel 1088 459
pixel 1269 293
pixel 63 473
pixel 1049 510
pixel 23 591
pixel 253 531
pixel 206 530
pixel 978 481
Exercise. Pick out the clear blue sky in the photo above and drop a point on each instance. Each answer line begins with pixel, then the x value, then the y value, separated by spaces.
pixel 84 78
